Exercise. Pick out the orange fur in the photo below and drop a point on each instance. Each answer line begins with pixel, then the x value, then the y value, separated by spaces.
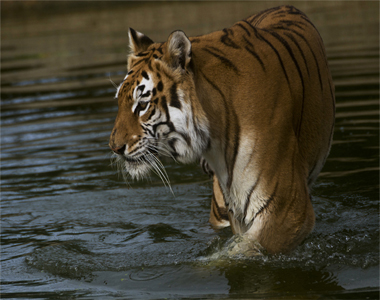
pixel 261 99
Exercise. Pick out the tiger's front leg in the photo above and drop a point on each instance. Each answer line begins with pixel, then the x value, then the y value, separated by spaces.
pixel 219 212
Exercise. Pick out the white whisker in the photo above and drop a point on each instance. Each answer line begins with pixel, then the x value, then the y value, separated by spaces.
pixel 162 151
pixel 117 161
pixel 159 169
pixel 113 83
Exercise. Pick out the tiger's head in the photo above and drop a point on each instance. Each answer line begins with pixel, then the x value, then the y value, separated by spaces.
pixel 158 111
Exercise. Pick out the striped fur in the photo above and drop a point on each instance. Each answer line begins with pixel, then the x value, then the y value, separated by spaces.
pixel 255 101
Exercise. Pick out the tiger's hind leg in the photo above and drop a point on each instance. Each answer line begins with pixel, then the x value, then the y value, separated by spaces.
pixel 219 213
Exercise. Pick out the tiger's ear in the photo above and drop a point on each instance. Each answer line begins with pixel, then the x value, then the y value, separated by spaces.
pixel 138 41
pixel 178 53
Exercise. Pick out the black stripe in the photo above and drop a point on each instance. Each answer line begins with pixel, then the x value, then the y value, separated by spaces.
pixel 185 137
pixel 332 95
pixel 224 60
pixel 320 40
pixel 165 107
pixel 230 167
pixel 214 86
pixel 222 212
pixel 145 75
pixel 255 55
pixel 254 29
pixel 146 129
pixel 141 87
pixel 245 29
pixel 171 144
pixel 294 11
pixel 140 41
pixel 279 14
pixel 174 101
pixel 147 94
pixel 156 119
pixel 195 40
pixel 236 148
pixel 300 50
pixel 312 52
pixel 216 49
pixel 226 40
pixel 247 201
pixel 292 23
pixel 150 66
pixel 142 54
pixel 261 16
pixel 206 168
pixel 169 124
pixel 215 210
pixel 152 113
pixel 227 118
pixel 288 48
pixel 303 17
pixel 278 56
pixel 160 49
pixel 139 62
pixel 258 15
pixel 224 196
pixel 269 200
pixel 160 86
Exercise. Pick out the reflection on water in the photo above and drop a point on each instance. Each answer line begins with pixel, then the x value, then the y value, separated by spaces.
pixel 72 228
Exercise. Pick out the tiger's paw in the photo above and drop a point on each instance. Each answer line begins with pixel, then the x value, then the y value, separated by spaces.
pixel 242 246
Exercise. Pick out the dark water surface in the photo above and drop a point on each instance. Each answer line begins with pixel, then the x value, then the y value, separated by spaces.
pixel 72 229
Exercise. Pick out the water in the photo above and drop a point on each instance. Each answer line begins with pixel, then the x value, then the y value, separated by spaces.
pixel 71 228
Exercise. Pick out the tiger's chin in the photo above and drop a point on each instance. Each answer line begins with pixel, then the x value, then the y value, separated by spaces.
pixel 136 170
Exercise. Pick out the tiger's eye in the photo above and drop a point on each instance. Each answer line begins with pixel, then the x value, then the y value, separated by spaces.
pixel 140 107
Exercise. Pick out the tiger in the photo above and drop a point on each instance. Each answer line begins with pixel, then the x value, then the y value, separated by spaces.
pixel 253 102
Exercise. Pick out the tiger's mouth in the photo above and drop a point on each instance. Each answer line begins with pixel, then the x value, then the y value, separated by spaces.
pixel 134 160
pixel 145 157
pixel 138 167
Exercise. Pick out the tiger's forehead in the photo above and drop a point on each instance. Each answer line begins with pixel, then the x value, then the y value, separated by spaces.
pixel 133 88
pixel 141 67
pixel 133 80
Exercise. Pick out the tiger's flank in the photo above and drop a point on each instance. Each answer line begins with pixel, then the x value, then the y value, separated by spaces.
pixel 254 102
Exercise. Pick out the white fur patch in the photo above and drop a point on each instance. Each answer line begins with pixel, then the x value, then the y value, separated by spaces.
pixel 117 91
pixel 183 123
pixel 145 87
pixel 246 174
pixel 120 85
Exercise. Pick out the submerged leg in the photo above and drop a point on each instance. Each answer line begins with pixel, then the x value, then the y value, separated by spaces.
pixel 218 214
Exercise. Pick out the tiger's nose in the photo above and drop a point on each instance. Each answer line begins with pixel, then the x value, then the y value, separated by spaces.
pixel 118 150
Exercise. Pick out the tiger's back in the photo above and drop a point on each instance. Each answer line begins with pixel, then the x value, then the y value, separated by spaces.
pixel 265 70
pixel 256 101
